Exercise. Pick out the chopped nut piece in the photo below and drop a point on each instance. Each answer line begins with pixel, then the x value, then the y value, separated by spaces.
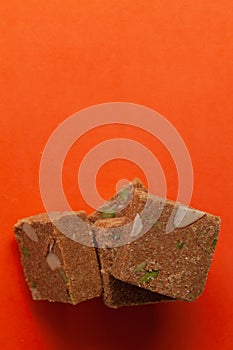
pixel 186 216
pixel 25 252
pixel 141 267
pixel 149 276
pixel 214 243
pixel 180 244
pixel 137 226
pixel 30 232
pixel 53 261
pixel 107 214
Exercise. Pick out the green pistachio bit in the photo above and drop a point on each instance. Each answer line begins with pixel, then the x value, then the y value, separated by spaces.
pixel 214 243
pixel 141 266
pixel 33 284
pixel 25 252
pixel 123 194
pixel 107 214
pixel 63 276
pixel 203 232
pixel 159 226
pixel 116 236
pixel 70 296
pixel 180 244
pixel 149 276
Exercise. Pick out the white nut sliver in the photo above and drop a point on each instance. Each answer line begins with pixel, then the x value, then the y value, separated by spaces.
pixel 35 294
pixel 30 232
pixel 137 226
pixel 53 261
pixel 186 216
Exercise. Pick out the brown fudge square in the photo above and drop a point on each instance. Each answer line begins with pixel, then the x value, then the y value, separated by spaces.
pixel 56 267
pixel 176 263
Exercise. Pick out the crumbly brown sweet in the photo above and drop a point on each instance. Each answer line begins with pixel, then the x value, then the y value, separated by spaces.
pixel 148 249
pixel 56 267
pixel 174 255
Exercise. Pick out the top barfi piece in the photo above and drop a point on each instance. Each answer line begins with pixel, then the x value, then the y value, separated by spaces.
pixel 173 251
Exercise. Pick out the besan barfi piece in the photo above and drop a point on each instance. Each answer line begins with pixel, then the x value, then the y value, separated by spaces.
pixel 174 255
pixel 56 267
pixel 115 292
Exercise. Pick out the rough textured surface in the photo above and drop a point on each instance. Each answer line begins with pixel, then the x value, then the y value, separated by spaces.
pixel 168 257
pixel 117 206
pixel 174 264
pixel 115 292
pixel 76 278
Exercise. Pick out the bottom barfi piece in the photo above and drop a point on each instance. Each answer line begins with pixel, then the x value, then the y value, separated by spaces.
pixel 56 267
pixel 115 292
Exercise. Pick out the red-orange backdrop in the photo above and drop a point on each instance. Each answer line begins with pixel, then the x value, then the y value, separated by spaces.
pixel 59 57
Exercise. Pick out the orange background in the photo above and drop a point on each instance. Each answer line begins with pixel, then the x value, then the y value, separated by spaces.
pixel 59 57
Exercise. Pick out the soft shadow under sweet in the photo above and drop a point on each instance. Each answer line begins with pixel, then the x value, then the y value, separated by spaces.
pixel 92 325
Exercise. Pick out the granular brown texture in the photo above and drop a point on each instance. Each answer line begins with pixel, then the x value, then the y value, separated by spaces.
pixel 115 292
pixel 147 249
pixel 56 267
pixel 174 264
pixel 117 206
